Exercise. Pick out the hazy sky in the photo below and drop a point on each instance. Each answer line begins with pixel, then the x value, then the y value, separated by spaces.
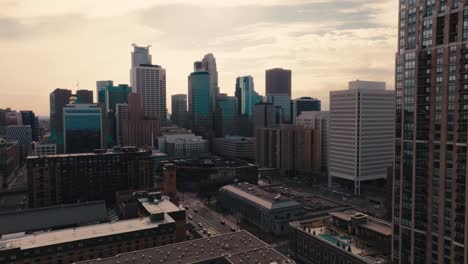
pixel 50 44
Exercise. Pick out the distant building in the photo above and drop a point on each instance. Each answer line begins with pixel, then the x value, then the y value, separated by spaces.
pixel 278 81
pixel 341 237
pixel 248 249
pixel 87 176
pixel 264 116
pixel 21 134
pixel 120 115
pixel 318 120
pixel 83 128
pixel 179 109
pixel 9 161
pixel 291 148
pixel 235 147
pixel 226 116
pixel 96 241
pixel 302 104
pixel 361 132
pixel 268 211
pixel 200 109
pixel 149 82
pixel 246 95
pixel 183 145
pixel 84 97
pixel 282 102
pixel 208 64
pixel 114 95
pixel 44 149
pixel 59 98
pixel 100 90
pixel 30 119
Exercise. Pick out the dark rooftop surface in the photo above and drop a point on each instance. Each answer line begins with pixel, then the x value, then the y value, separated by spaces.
pixel 211 162
pixel 238 247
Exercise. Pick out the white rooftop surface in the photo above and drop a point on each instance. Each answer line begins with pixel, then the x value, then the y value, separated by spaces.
pixel 80 233
pixel 264 202
pixel 160 206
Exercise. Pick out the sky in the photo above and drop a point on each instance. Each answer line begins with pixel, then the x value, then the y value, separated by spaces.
pixel 52 44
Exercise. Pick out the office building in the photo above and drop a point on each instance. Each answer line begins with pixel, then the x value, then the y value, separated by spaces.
pixel 341 237
pixel 114 95
pixel 183 145
pixel 361 132
pixel 44 149
pixel 199 106
pixel 95 241
pixel 84 97
pixel 246 95
pixel 282 103
pixel 264 116
pixel 218 249
pixel 59 98
pixel 208 64
pixel 13 118
pixel 302 104
pixel 69 178
pixel 292 149
pixel 100 90
pixel 9 161
pixel 268 211
pixel 318 120
pixel 235 147
pixel 226 116
pixel 149 82
pixel 83 128
pixel 22 135
pixel 179 109
pixel 120 114
pixel 278 81
pixel 429 215
pixel 28 118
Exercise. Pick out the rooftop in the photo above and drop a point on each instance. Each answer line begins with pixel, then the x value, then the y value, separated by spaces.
pixel 211 162
pixel 97 152
pixel 238 247
pixel 159 206
pixel 259 196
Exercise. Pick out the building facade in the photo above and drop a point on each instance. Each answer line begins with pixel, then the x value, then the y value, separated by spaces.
pixel 44 149
pixel 179 109
pixel 183 145
pixel 278 81
pixel 235 147
pixel 208 64
pixel 59 98
pixel 100 90
pixel 9 161
pixel 120 115
pixel 149 82
pixel 22 135
pixel 282 103
pixel 361 129
pixel 226 116
pixel 246 95
pixel 199 106
pixel 28 118
pixel 264 116
pixel 302 104
pixel 71 178
pixel 84 97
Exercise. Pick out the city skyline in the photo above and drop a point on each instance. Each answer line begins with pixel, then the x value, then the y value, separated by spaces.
pixel 58 46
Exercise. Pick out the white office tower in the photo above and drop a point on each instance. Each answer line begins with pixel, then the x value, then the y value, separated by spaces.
pixel 149 82
pixel 361 133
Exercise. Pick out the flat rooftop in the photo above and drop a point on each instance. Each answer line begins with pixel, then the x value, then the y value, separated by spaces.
pixel 372 223
pixel 211 162
pixel 97 153
pixel 80 233
pixel 259 196
pixel 159 206
pixel 237 247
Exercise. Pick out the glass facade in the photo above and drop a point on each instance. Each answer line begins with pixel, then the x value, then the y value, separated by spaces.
pixel 226 116
pixel 283 104
pixel 246 95
pixel 82 128
pixel 200 110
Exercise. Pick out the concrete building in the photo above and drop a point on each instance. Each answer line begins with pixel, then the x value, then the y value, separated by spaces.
pixel 268 211
pixel 95 241
pixel 246 95
pixel 235 147
pixel 21 134
pixel 71 178
pixel 225 116
pixel 179 110
pixel 149 82
pixel 341 237
pixel 186 145
pixel 264 115
pixel 361 132
pixel 9 161
pixel 278 81
pixel 318 120
pixel 292 149
pixel 218 249
pixel 137 130
pixel 302 104
pixel 44 149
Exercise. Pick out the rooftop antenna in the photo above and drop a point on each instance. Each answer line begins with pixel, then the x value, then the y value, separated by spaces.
pixel 77 84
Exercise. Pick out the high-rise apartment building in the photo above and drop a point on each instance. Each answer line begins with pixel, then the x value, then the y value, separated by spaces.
pixel 302 104
pixel 264 115
pixel 246 95
pixel 59 98
pixel 83 126
pixel 149 82
pixel 179 109
pixel 278 81
pixel 226 116
pixel 318 120
pixel 200 108
pixel 430 219
pixel 361 129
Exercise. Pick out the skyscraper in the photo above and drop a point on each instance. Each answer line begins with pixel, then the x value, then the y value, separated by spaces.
pixel 100 90
pixel 361 131
pixel 208 64
pixel 83 128
pixel 116 95
pixel 226 116
pixel 200 108
pixel 21 134
pixel 29 119
pixel 149 82
pixel 84 96
pixel 120 115
pixel 278 81
pixel 430 197
pixel 264 115
pixel 302 104
pixel 246 95
pixel 59 98
pixel 179 109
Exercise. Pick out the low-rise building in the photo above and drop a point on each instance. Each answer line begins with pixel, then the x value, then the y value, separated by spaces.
pixel 43 149
pixel 183 145
pixel 341 237
pixel 268 211
pixel 237 247
pixel 235 147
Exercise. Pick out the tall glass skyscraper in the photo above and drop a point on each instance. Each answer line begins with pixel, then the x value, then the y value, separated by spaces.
pixel 83 128
pixel 226 116
pixel 282 103
pixel 302 104
pixel 112 95
pixel 246 95
pixel 200 108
